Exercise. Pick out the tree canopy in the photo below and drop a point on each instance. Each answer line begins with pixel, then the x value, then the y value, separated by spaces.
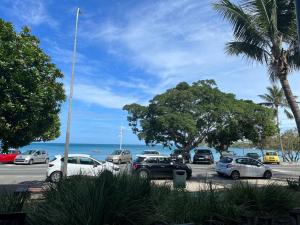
pixel 30 92
pixel 187 115
pixel 265 31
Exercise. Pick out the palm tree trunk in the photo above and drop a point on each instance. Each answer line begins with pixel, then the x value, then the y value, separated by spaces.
pixel 291 100
pixel 279 134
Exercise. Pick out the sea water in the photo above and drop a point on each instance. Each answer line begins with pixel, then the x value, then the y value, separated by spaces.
pixel 100 151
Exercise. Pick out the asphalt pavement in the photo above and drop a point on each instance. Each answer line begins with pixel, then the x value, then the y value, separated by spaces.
pixel 15 176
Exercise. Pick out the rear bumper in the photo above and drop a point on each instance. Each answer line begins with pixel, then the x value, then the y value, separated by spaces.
pixel 203 160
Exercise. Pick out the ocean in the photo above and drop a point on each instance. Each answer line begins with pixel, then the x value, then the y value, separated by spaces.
pixel 100 151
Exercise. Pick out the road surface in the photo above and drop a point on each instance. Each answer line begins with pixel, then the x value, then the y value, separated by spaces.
pixel 13 176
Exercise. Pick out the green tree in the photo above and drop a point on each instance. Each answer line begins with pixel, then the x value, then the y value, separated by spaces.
pixel 265 31
pixel 30 93
pixel 187 115
pixel 242 120
pixel 275 99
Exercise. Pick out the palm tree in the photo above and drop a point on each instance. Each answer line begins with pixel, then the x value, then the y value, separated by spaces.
pixel 265 31
pixel 275 99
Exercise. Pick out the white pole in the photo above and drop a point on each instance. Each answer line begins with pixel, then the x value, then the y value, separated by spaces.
pixel 70 99
pixel 121 137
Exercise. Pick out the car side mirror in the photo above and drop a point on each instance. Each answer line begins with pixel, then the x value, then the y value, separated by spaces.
pixel 95 165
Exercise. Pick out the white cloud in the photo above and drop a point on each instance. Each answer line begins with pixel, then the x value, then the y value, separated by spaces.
pixel 95 95
pixel 171 40
pixel 30 12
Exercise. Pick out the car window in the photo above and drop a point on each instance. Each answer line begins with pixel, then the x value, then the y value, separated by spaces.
pixel 253 162
pixel 117 152
pixel 127 152
pixel 151 160
pixel 72 160
pixel 29 152
pixel 43 152
pixel 38 152
pixel 164 160
pixel 86 161
pixel 226 160
pixel 243 161
pixel 271 153
pixel 203 151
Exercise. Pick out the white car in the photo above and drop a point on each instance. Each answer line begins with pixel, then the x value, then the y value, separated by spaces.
pixel 78 164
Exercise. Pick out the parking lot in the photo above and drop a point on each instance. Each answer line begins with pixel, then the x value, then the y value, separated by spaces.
pixel 14 176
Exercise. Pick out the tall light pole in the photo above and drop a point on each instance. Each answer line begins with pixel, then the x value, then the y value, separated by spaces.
pixel 65 164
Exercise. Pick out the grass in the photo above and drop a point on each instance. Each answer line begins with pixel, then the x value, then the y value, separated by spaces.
pixel 130 200
pixel 12 202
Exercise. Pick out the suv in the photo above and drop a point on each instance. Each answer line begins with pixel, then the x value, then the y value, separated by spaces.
pixel 180 156
pixel 32 156
pixel 150 166
pixel 236 167
pixel 119 156
pixel 203 156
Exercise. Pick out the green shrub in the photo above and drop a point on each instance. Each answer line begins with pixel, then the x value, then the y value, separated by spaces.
pixel 12 202
pixel 180 206
pixel 270 199
pixel 105 199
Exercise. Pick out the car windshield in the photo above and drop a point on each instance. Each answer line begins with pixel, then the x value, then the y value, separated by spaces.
pixel 150 152
pixel 252 154
pixel 226 160
pixel 117 152
pixel 29 152
pixel 271 153
pixel 202 151
pixel 140 159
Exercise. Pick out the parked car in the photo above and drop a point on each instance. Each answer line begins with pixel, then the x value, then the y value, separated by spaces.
pixel 150 152
pixel 32 156
pixel 78 164
pixel 271 157
pixel 227 154
pixel 236 167
pixel 120 156
pixel 180 156
pixel 203 156
pixel 253 155
pixel 149 166
pixel 10 156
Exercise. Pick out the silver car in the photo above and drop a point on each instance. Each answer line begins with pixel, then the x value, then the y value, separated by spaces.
pixel 120 156
pixel 32 156
pixel 237 167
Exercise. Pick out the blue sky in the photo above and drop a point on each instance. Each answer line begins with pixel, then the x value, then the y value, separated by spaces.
pixel 130 50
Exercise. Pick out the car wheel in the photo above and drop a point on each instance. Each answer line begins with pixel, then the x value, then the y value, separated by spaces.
pixel 278 163
pixel 143 174
pixel 212 162
pixel 55 176
pixel 30 162
pixel 268 175
pixel 46 161
pixel 235 175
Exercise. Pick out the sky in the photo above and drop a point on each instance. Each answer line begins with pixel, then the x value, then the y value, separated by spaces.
pixel 131 50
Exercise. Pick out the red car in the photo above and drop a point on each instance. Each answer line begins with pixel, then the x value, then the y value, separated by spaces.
pixel 10 156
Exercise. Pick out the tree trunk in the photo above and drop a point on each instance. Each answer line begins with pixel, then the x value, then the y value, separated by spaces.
pixel 291 100
pixel 279 135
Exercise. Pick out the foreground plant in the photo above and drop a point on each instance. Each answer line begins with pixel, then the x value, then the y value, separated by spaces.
pixel 107 199
pixel 12 202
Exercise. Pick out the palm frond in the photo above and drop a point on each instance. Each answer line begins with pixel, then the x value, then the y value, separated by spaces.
pixel 249 50
pixel 288 114
pixel 244 28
